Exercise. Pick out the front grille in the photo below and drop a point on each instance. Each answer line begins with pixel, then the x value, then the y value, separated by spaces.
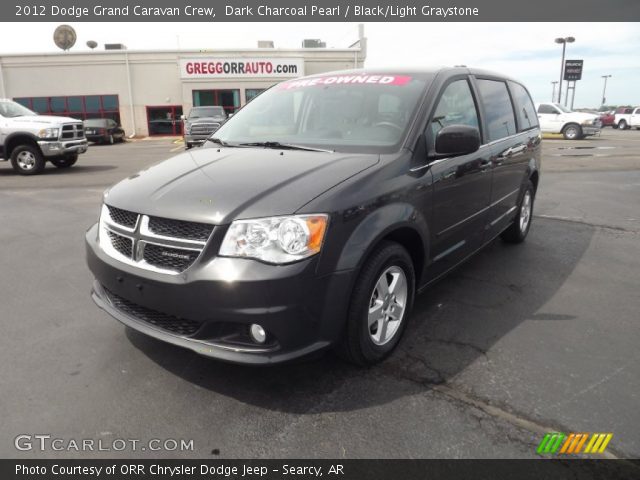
pixel 153 243
pixel 122 245
pixel 123 217
pixel 170 323
pixel 180 229
pixel 71 131
pixel 168 258
pixel 204 128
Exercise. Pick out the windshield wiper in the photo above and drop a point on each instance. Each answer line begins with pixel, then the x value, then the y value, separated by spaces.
pixel 285 146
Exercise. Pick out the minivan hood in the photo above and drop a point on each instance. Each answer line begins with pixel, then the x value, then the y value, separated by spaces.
pixel 217 186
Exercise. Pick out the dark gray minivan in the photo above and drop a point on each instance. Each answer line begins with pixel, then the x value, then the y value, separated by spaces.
pixel 313 217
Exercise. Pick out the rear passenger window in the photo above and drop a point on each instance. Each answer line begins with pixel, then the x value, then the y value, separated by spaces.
pixel 501 121
pixel 527 117
pixel 456 107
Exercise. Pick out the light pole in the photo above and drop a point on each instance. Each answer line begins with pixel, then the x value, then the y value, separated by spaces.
pixel 553 91
pixel 563 41
pixel 604 89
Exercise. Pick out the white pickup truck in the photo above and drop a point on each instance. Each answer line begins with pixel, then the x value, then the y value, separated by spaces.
pixel 626 117
pixel 30 140
pixel 554 118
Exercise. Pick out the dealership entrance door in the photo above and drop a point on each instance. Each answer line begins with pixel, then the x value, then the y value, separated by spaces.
pixel 164 120
pixel 228 99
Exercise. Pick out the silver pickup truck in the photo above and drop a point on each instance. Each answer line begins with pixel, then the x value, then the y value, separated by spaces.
pixel 30 140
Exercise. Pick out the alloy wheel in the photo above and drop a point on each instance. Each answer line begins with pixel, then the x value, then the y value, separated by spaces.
pixel 387 305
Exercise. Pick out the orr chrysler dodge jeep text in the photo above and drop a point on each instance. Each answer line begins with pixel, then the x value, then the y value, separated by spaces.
pixel 312 217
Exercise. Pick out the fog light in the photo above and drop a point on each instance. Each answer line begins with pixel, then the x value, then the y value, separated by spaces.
pixel 257 333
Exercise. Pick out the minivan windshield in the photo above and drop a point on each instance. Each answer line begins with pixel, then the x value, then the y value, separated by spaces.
pixel 201 112
pixel 13 109
pixel 343 112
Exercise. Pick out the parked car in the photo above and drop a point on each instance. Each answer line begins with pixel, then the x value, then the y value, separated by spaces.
pixel 103 130
pixel 30 140
pixel 201 123
pixel 555 118
pixel 313 217
pixel 608 119
pixel 626 117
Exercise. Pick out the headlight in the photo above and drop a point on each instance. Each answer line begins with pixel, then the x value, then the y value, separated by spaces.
pixel 48 133
pixel 277 239
pixel 589 122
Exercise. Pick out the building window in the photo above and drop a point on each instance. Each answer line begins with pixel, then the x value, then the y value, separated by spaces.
pixel 227 99
pixel 251 93
pixel 80 107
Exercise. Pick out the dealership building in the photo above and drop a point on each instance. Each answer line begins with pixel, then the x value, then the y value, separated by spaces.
pixel 147 91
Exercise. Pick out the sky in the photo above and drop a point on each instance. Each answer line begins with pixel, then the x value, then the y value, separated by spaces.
pixel 521 50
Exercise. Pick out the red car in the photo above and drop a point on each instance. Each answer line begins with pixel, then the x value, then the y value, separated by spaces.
pixel 608 119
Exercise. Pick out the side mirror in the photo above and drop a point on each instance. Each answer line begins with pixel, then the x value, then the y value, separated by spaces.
pixel 456 140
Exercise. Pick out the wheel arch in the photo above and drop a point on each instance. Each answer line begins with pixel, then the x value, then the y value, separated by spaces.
pixel 19 138
pixel 401 223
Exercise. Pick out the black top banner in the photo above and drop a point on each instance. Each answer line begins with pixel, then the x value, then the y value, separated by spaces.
pixel 315 469
pixel 320 11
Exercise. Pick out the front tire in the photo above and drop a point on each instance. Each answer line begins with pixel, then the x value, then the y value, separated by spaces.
pixel 622 125
pixel 27 160
pixel 572 132
pixel 518 230
pixel 65 162
pixel 380 305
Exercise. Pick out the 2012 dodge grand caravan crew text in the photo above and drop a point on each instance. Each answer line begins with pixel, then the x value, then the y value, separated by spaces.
pixel 313 217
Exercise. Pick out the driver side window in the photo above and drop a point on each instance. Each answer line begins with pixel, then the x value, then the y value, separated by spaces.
pixel 456 107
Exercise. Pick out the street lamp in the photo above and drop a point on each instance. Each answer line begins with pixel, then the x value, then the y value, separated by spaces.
pixel 563 41
pixel 604 89
pixel 553 91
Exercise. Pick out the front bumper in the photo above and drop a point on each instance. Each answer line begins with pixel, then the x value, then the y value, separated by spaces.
pixel 300 311
pixel 195 139
pixel 62 148
pixel 591 130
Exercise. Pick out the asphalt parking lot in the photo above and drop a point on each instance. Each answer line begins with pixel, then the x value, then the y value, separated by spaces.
pixel 519 341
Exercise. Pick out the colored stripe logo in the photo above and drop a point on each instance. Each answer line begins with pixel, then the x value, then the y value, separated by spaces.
pixel 573 443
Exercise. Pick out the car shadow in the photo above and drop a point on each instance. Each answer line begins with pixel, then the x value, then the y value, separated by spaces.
pixel 454 324
pixel 51 170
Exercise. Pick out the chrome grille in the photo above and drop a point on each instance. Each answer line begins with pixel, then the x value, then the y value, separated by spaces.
pixel 122 245
pixel 123 217
pixel 177 325
pixel 169 258
pixel 204 128
pixel 72 131
pixel 180 229
pixel 153 243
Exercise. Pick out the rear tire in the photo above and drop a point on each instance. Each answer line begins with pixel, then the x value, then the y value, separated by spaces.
pixel 622 125
pixel 518 230
pixel 27 160
pixel 572 132
pixel 380 306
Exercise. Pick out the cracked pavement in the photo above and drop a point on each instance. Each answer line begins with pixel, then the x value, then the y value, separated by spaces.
pixel 518 341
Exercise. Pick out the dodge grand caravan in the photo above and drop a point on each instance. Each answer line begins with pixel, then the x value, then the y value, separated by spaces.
pixel 313 217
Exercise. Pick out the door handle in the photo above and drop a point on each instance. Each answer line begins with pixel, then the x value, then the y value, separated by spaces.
pixel 484 165
pixel 449 174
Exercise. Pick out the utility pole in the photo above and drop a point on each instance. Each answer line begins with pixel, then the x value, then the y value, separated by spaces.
pixel 553 91
pixel 563 41
pixel 604 89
